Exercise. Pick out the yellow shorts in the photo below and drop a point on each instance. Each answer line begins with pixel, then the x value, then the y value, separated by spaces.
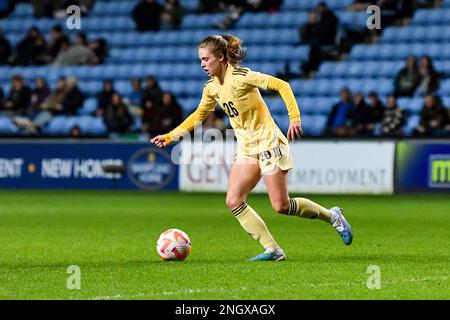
pixel 279 156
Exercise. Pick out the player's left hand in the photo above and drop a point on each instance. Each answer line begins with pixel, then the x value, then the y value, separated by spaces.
pixel 295 131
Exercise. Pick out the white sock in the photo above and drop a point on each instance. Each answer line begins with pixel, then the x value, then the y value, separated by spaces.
pixel 336 222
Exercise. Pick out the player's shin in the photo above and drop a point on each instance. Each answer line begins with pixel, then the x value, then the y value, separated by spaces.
pixel 254 225
pixel 306 208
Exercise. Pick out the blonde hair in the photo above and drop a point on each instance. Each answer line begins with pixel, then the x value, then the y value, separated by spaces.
pixel 228 45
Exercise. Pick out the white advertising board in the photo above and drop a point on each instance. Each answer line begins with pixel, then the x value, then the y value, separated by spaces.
pixel 319 167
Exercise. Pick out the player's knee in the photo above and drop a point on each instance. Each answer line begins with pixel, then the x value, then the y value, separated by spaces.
pixel 233 201
pixel 281 206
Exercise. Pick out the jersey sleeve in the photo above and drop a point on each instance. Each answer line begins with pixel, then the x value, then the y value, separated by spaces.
pixel 251 79
pixel 207 104
pixel 284 89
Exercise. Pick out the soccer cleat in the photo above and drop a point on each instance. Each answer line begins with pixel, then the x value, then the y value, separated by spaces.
pixel 341 225
pixel 270 255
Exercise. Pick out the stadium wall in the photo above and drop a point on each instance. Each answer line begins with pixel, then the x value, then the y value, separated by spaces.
pixel 366 167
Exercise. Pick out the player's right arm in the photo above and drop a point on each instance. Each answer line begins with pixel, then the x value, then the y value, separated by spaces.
pixel 207 104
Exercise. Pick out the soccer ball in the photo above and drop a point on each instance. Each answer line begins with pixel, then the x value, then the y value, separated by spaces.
pixel 173 244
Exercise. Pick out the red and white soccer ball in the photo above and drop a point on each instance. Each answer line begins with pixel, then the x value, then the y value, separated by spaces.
pixel 173 244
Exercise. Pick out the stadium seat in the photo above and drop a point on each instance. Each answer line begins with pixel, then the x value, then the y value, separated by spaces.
pixel 411 123
pixel 444 88
pixel 7 126
pixel 89 107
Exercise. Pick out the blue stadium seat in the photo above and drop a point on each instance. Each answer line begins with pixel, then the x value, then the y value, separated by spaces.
pixel 313 125
pixel 90 125
pixel 89 107
pixel 411 123
pixel 23 10
pixel 431 17
pixel 282 122
pixel 56 125
pixel 7 126
pixel 444 88
pixel 415 105
pixel 276 105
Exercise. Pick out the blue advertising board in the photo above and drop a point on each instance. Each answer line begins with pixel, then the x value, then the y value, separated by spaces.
pixel 423 167
pixel 79 165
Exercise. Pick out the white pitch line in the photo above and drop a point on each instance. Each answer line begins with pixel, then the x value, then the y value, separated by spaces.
pixel 166 293
pixel 215 290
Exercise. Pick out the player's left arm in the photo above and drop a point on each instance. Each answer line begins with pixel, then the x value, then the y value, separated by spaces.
pixel 264 81
pixel 284 89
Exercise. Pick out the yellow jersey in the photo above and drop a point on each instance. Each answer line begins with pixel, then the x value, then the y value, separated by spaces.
pixel 240 98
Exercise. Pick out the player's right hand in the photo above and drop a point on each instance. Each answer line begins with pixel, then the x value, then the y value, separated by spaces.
pixel 159 141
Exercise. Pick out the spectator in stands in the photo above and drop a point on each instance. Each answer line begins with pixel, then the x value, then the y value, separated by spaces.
pixel 52 105
pixel 433 118
pixel 447 127
pixel 77 54
pixel 116 117
pixel 149 123
pixel 327 30
pixel 407 79
pixel 31 50
pixel 57 38
pixel 233 9
pixel 75 132
pixel 376 108
pixel 84 5
pixel 208 6
pixel 429 78
pixel 19 97
pixel 263 5
pixel 309 32
pixel 36 116
pixel 160 117
pixel 74 98
pixel 2 100
pixel 393 119
pixel 360 5
pixel 152 90
pixel 146 15
pixel 135 96
pixel 339 118
pixel 360 115
pixel 45 8
pixel 328 24
pixel 214 120
pixel 104 97
pixel 5 49
pixel 172 15
pixel 39 95
pixel 172 113
pixel 390 9
pixel 100 49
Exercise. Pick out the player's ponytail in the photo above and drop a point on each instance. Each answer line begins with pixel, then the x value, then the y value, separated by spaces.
pixel 228 45
pixel 235 51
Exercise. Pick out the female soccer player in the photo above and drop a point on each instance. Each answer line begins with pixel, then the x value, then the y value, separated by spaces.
pixel 262 147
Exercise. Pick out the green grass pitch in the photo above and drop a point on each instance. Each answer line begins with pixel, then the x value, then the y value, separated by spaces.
pixel 111 236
